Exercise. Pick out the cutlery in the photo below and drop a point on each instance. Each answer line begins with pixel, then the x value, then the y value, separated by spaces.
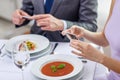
pixel 52 52
pixel 83 59
pixel 1 48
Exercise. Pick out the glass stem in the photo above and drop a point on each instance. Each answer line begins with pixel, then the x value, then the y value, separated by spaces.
pixel 22 74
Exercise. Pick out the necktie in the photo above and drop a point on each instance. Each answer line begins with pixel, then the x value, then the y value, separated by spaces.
pixel 48 5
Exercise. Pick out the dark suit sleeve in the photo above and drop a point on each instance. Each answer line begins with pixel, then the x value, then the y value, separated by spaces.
pixel 27 6
pixel 87 15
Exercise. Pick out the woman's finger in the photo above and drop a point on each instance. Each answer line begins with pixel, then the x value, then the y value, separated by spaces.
pixel 66 31
pixel 78 53
pixel 76 46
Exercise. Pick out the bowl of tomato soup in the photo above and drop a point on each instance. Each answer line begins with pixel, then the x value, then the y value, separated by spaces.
pixel 57 67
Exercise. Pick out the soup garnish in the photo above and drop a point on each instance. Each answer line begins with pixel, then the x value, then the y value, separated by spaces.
pixel 61 66
pixel 57 68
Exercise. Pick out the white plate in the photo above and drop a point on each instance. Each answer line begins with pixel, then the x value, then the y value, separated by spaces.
pixel 41 42
pixel 36 55
pixel 37 65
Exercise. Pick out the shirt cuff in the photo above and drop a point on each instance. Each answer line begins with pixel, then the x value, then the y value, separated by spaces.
pixel 65 24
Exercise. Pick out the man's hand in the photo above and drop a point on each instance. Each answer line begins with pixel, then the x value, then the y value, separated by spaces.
pixel 48 22
pixel 17 17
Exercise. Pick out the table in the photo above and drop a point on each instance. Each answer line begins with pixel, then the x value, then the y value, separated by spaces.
pixel 8 71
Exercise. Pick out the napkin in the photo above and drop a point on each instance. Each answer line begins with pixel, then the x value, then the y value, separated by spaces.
pixel 10 76
pixel 7 65
pixel 2 42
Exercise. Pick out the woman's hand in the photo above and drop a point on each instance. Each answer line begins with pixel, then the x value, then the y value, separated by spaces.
pixel 75 30
pixel 87 51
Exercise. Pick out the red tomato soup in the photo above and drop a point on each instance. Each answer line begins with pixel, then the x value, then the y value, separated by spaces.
pixel 46 69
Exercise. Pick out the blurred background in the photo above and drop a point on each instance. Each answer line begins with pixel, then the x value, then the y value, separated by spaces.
pixel 8 30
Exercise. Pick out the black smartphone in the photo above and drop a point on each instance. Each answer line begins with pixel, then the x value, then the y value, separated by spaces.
pixel 71 36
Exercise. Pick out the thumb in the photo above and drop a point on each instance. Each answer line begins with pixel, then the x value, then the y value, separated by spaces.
pixel 23 13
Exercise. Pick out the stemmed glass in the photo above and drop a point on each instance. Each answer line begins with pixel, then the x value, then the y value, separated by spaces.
pixel 21 59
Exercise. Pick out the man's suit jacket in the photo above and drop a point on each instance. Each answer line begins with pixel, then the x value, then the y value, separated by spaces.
pixel 74 12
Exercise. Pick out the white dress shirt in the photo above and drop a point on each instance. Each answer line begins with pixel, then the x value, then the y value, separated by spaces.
pixel 64 22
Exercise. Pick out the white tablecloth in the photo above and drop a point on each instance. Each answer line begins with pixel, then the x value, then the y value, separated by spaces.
pixel 8 71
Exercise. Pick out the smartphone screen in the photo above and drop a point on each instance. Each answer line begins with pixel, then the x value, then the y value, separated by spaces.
pixel 71 36
pixel 26 17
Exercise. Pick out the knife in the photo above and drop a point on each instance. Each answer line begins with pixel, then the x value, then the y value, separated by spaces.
pixel 52 52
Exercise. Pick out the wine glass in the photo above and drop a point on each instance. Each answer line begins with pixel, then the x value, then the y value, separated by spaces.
pixel 21 59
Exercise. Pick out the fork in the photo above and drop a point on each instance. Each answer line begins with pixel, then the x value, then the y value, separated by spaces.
pixel 1 51
pixel 84 60
pixel 1 48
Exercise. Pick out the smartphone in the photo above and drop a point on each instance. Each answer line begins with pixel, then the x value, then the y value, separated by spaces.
pixel 71 36
pixel 26 17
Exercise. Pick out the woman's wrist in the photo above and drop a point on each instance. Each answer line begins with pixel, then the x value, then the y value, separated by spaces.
pixel 84 32
pixel 102 58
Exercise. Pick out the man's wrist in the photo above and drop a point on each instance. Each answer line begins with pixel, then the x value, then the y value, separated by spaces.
pixel 64 24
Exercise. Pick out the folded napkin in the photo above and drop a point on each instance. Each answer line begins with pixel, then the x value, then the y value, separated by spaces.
pixel 2 42
pixel 7 64
pixel 10 76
